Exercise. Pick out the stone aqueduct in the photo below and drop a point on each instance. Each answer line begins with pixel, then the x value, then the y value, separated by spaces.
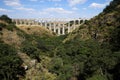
pixel 58 26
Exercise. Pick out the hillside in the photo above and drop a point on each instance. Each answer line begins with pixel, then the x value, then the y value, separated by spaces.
pixel 91 52
pixel 35 30
pixel 24 40
pixel 14 36
pixel 100 26
pixel 95 45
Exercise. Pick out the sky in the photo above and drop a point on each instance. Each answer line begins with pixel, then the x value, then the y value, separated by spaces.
pixel 52 8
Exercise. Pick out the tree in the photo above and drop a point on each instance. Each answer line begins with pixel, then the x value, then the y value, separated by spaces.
pixel 10 63
pixel 5 18
pixel 115 39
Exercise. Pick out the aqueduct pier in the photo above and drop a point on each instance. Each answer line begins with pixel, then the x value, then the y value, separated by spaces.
pixel 58 26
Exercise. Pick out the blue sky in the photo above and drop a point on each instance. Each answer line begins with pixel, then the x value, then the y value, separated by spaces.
pixel 52 8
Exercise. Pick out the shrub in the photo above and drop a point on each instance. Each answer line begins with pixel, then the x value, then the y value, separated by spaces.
pixel 10 63
pixel 5 18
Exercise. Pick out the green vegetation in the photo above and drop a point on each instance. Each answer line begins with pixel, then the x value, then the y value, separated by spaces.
pixel 91 52
pixel 6 23
pixel 113 6
pixel 5 18
pixel 10 63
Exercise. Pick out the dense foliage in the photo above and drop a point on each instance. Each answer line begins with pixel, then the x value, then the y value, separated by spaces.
pixel 5 18
pixel 113 6
pixel 10 63
pixel 69 57
pixel 7 23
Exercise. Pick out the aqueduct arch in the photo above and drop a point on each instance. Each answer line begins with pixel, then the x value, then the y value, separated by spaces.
pixel 59 26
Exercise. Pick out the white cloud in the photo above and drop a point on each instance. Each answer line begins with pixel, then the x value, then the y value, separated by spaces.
pixel 41 1
pixel 46 0
pixel 54 0
pixel 98 5
pixel 84 8
pixel 54 12
pixel 25 9
pixel 17 5
pixel 56 4
pixel 74 8
pixel 13 3
pixel 5 10
pixel 33 0
pixel 57 10
pixel 75 2
pixel 109 0
pixel 48 12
